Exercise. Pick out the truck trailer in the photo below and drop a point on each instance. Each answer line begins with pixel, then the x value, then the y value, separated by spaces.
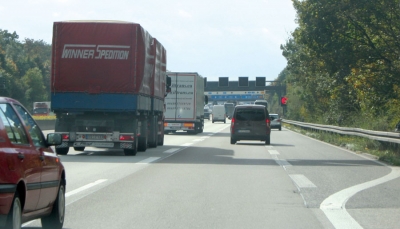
pixel 185 103
pixel 108 85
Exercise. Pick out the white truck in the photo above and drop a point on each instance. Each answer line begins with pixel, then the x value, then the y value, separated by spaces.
pixel 42 108
pixel 185 103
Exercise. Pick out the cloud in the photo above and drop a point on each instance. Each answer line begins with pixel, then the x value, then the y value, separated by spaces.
pixel 184 14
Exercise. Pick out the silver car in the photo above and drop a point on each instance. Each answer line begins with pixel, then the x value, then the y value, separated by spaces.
pixel 275 121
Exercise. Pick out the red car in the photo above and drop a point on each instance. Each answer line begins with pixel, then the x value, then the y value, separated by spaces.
pixel 32 177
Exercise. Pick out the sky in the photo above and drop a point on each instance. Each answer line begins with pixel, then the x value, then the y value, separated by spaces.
pixel 216 38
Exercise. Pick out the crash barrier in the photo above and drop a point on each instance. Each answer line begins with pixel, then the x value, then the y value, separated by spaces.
pixel 46 124
pixel 392 137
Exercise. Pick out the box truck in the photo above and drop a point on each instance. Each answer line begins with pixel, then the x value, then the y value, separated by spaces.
pixel 185 103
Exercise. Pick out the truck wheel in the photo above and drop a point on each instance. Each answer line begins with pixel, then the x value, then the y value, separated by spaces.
pixel 56 218
pixel 15 217
pixel 161 140
pixel 62 151
pixel 142 145
pixel 153 132
pixel 79 148
pixel 233 141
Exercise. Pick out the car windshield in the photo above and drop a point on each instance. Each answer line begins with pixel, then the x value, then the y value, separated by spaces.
pixel 250 115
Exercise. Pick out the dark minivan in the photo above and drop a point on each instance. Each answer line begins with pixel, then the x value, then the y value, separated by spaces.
pixel 250 122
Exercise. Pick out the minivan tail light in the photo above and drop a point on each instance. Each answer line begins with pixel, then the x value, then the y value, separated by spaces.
pixel 232 125
pixel 267 121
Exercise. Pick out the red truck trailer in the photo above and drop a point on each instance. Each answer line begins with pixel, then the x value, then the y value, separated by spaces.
pixel 108 84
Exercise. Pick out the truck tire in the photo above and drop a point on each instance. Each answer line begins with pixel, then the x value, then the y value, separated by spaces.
pixel 153 132
pixel 62 151
pixel 161 140
pixel 142 144
pixel 79 148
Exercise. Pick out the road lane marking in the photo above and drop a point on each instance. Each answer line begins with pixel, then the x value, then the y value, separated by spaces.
pixel 171 150
pixel 281 162
pixel 273 152
pixel 148 160
pixel 205 137
pixel 334 206
pixel 302 181
pixel 85 187
pixel 187 144
pixel 198 140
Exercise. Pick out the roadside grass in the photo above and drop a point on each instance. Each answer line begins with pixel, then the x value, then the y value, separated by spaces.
pixel 385 152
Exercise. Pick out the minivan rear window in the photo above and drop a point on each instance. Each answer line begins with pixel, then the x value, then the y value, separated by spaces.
pixel 250 115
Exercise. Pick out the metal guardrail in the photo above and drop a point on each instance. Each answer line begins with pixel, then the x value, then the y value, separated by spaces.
pixel 392 137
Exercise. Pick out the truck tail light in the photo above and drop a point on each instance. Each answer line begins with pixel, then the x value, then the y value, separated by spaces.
pixel 65 137
pixel 188 124
pixel 126 138
pixel 165 124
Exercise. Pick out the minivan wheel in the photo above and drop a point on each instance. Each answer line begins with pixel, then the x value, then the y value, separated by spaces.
pixel 233 141
pixel 268 140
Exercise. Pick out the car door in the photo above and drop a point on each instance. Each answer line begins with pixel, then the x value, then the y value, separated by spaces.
pixel 23 159
pixel 50 174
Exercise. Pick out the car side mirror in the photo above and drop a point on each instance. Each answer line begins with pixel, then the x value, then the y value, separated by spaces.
pixel 54 139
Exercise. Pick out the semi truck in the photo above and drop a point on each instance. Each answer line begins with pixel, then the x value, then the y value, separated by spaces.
pixel 185 103
pixel 108 86
pixel 41 108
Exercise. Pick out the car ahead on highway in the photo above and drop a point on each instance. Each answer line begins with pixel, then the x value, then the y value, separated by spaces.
pixel 32 177
pixel 275 121
pixel 250 122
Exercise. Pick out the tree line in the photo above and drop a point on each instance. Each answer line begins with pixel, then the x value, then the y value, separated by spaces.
pixel 24 69
pixel 343 63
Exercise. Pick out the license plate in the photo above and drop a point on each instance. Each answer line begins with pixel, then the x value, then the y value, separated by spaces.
pixel 243 131
pixel 95 144
pixel 95 137
pixel 174 124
